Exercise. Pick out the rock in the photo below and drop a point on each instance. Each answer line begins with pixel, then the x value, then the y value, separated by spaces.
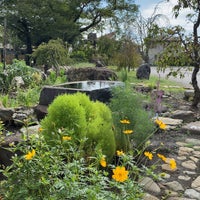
pixel 196 184
pixel 186 116
pixel 188 95
pixel 149 185
pixel 181 158
pixel 149 197
pixel 192 194
pixel 171 123
pixel 184 178
pixel 90 73
pixel 170 193
pixel 192 128
pixel 17 82
pixel 189 164
pixel 24 115
pixel 143 72
pixel 166 167
pixel 175 186
pixel 30 129
pixel 141 88
pixel 185 151
pixel 40 111
pixel 6 114
pixel 189 172
pixel 193 141
pixel 99 63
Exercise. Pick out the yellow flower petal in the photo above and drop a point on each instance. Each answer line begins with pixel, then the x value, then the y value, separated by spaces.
pixel 149 155
pixel 66 138
pixel 30 155
pixel 120 174
pixel 103 162
pixel 172 164
pixel 161 124
pixel 127 132
pixel 120 153
pixel 125 121
pixel 162 157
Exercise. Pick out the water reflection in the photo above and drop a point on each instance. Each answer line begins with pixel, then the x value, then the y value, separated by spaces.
pixel 91 85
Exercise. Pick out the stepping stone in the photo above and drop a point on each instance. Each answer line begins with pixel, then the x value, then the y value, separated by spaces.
pixel 186 116
pixel 192 127
pixel 171 123
pixel 149 185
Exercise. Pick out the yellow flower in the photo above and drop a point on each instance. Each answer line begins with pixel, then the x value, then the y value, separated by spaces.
pixel 30 155
pixel 161 124
pixel 40 129
pixel 120 153
pixel 172 164
pixel 66 138
pixel 162 157
pixel 149 155
pixel 120 174
pixel 127 132
pixel 103 162
pixel 125 121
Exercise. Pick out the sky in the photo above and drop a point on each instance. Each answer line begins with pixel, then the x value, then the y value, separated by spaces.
pixel 147 8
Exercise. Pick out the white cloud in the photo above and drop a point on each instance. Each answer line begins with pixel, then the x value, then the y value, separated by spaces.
pixel 165 8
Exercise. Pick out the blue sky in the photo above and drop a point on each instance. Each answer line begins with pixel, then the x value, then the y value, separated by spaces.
pixel 146 3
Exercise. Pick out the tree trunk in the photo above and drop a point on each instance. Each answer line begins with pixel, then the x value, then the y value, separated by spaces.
pixel 27 34
pixel 196 99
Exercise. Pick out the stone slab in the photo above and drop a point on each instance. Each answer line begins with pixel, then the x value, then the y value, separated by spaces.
pixel 192 128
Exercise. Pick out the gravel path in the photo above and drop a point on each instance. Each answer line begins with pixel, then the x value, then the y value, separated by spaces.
pixel 185 81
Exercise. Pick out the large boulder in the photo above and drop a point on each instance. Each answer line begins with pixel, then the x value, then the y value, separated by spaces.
pixel 90 73
pixel 143 72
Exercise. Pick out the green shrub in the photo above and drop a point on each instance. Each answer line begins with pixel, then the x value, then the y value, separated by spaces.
pixel 126 104
pixel 51 54
pixel 82 118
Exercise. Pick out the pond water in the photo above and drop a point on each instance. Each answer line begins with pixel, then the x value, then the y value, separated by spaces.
pixel 91 85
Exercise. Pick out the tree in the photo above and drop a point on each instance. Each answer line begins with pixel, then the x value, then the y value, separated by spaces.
pixel 128 56
pixel 142 31
pixel 51 54
pixel 186 49
pixel 39 21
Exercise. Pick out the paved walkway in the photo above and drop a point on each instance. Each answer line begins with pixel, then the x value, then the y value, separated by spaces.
pixel 185 81
pixel 184 182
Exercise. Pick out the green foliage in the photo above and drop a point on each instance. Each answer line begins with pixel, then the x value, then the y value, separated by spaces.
pixel 54 79
pixel 123 75
pixel 126 104
pixel 128 56
pixel 57 172
pixel 107 48
pixel 51 54
pixel 82 118
pixel 28 97
pixel 17 68
pixel 68 19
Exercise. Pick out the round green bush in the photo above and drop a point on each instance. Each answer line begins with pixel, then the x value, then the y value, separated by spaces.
pixel 82 118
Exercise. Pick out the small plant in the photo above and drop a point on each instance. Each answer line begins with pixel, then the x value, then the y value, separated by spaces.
pixel 81 118
pixel 60 172
pixel 17 68
pixel 125 105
